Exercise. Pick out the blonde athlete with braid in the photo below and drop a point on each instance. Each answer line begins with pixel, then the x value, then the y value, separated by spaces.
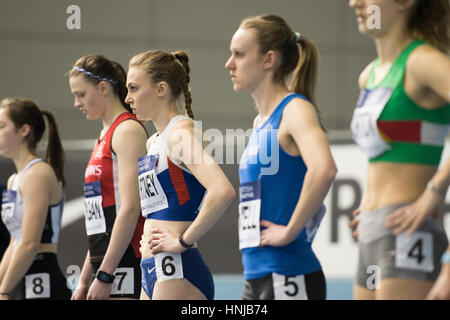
pixel 183 191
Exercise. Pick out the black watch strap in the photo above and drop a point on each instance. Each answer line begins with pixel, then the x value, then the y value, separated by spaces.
pixel 105 277
pixel 184 244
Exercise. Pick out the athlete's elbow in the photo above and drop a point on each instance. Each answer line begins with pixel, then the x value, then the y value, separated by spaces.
pixel 329 173
pixel 29 246
pixel 226 194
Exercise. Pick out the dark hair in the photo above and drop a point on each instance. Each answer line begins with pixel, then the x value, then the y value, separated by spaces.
pixel 429 20
pixel 102 68
pixel 24 111
pixel 273 33
pixel 171 67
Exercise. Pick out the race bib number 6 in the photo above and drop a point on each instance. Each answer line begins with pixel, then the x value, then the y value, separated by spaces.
pixel 169 266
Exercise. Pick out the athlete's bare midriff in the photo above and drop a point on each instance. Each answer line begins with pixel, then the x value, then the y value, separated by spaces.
pixel 176 227
pixel 391 183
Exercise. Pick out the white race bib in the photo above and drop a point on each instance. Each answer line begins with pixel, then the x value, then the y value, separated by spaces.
pixel 169 266
pixel 37 285
pixel 415 251
pixel 151 193
pixel 123 281
pixel 8 207
pixel 93 210
pixel 249 214
pixel 289 288
pixel 364 122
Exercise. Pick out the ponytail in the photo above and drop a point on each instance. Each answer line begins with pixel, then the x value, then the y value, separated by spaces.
pixel 304 79
pixel 55 151
pixel 273 33
pixel 183 58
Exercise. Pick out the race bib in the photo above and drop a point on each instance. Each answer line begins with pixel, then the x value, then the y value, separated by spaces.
pixel 168 266
pixel 151 193
pixel 364 122
pixel 8 207
pixel 415 251
pixel 93 210
pixel 37 286
pixel 123 281
pixel 249 214
pixel 289 288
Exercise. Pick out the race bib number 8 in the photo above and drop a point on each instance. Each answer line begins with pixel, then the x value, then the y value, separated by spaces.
pixel 37 286
pixel 414 251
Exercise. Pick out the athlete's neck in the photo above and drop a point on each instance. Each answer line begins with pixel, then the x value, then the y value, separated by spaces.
pixel 22 158
pixel 162 118
pixel 268 97
pixel 114 109
pixel 390 45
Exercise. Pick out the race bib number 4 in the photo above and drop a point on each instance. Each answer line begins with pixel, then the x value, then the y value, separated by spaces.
pixel 151 193
pixel 249 214
pixel 93 210
pixel 415 251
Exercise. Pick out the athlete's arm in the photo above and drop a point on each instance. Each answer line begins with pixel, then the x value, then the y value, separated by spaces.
pixel 128 142
pixel 7 255
pixel 431 68
pixel 6 259
pixel 302 124
pixel 408 218
pixel 35 191
pixel 219 194
pixel 84 281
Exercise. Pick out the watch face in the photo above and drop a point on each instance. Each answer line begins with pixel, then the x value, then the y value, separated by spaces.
pixel 104 277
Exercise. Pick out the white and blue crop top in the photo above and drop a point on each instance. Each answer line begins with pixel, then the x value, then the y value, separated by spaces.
pixel 12 212
pixel 168 191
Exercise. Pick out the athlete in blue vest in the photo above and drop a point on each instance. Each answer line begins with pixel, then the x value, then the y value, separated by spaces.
pixel 287 168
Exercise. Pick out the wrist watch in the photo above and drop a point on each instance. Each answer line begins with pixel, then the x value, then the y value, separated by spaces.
pixel 184 244
pixel 105 277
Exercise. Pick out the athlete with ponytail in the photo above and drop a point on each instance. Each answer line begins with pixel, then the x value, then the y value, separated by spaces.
pixel 183 191
pixel 401 121
pixel 113 222
pixel 32 205
pixel 281 200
